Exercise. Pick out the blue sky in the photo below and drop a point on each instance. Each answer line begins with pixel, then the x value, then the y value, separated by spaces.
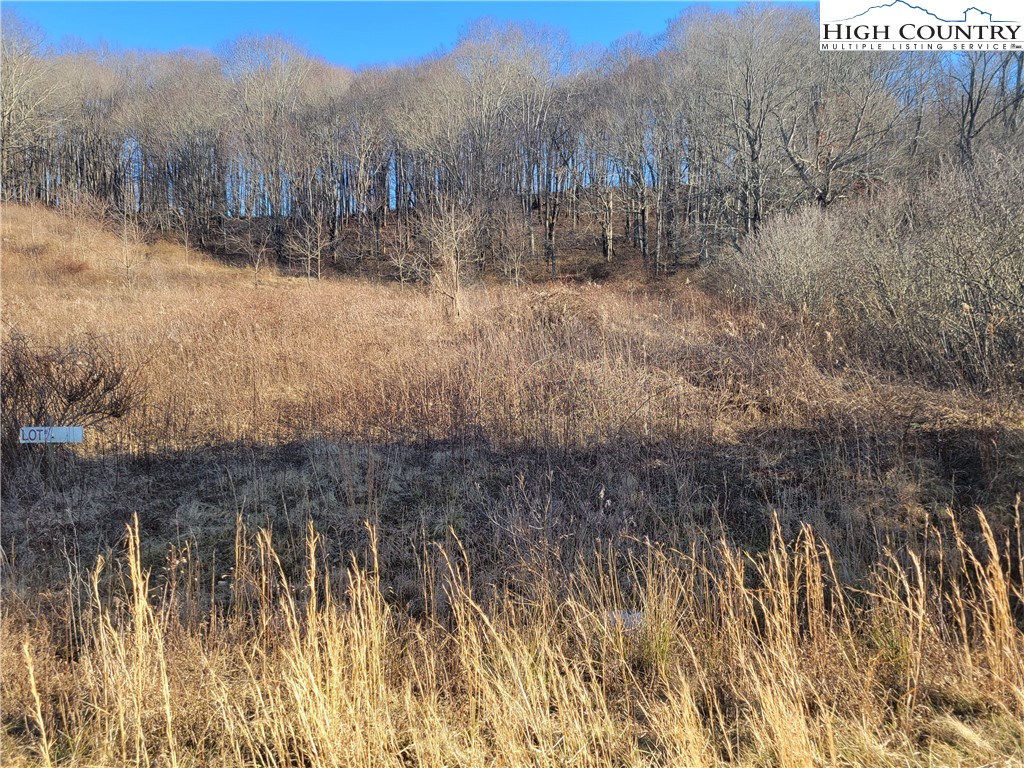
pixel 352 34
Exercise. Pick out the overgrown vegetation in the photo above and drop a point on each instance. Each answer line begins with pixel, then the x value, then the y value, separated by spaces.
pixel 752 499
pixel 924 278
pixel 619 524
pixel 83 384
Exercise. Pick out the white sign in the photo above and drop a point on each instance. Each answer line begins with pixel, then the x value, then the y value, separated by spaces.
pixel 921 25
pixel 51 434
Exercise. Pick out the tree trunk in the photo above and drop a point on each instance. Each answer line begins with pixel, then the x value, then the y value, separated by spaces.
pixel 607 228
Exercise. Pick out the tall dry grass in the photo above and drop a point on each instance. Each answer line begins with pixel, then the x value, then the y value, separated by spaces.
pixel 622 524
pixel 705 657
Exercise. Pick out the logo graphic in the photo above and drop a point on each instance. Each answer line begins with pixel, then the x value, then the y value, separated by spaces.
pixel 899 5
pixel 936 25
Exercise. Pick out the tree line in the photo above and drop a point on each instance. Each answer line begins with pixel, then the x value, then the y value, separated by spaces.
pixel 679 146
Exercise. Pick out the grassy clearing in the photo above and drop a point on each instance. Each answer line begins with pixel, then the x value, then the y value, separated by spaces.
pixel 617 524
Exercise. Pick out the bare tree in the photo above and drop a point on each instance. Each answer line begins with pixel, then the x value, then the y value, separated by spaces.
pixel 309 242
pixel 27 91
pixel 849 126
pixel 253 240
pixel 132 232
pixel 989 89
pixel 739 68
pixel 450 231
pixel 367 142
pixel 267 75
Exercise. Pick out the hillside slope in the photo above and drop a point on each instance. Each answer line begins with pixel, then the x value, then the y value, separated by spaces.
pixel 496 502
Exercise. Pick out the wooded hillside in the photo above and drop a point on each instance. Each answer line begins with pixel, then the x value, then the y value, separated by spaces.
pixel 683 144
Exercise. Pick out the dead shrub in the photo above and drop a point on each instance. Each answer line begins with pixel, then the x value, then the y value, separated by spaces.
pixel 85 383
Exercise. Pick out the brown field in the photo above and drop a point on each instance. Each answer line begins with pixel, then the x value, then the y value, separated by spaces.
pixel 633 523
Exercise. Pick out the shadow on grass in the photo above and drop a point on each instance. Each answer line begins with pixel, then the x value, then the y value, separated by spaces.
pixel 859 492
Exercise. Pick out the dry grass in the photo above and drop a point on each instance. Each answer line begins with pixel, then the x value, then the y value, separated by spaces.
pixel 626 525
pixel 226 361
pixel 729 659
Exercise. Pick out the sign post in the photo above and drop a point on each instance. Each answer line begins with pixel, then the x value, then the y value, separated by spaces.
pixel 51 434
